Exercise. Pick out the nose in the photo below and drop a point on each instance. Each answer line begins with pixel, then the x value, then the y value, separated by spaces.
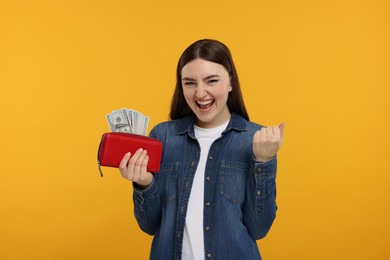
pixel 200 91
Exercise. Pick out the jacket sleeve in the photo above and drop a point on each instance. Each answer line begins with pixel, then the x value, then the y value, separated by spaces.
pixel 147 207
pixel 259 209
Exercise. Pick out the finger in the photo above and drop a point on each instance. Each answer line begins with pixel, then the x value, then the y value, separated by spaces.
pixel 281 127
pixel 256 136
pixel 123 163
pixel 263 133
pixel 145 164
pixel 276 133
pixel 131 164
pixel 143 172
pixel 270 132
pixel 138 165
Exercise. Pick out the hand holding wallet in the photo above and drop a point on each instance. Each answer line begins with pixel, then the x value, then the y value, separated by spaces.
pixel 114 145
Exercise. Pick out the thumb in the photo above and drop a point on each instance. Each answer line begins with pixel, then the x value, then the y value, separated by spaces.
pixel 281 127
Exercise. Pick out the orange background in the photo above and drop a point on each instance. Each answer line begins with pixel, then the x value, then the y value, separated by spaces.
pixel 320 66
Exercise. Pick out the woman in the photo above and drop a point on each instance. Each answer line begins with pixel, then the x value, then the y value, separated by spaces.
pixel 215 193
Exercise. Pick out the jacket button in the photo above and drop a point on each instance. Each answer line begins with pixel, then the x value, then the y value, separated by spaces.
pixel 209 255
pixel 258 169
pixel 207 229
pixel 211 158
pixel 208 178
pixel 258 193
pixel 208 203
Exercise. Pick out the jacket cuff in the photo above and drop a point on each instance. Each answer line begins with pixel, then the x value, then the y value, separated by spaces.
pixel 149 191
pixel 267 166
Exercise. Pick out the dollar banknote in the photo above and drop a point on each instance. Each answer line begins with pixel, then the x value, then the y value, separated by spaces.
pixel 128 121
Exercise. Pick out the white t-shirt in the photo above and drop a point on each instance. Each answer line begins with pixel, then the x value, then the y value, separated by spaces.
pixel 193 240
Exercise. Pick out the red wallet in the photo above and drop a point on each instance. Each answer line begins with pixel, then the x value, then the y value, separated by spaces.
pixel 114 145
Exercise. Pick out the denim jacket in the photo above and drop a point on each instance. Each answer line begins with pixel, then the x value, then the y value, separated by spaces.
pixel 239 195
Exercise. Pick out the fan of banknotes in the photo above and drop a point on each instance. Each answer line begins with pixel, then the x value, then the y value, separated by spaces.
pixel 128 121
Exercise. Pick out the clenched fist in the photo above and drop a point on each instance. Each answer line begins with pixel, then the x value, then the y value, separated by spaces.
pixel 267 141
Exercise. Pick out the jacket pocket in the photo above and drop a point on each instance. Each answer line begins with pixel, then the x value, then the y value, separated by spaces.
pixel 167 181
pixel 232 180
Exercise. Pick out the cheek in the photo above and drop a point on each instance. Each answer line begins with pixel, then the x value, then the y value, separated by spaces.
pixel 221 94
pixel 187 95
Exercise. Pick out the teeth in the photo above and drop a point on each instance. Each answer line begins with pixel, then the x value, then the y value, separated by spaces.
pixel 203 103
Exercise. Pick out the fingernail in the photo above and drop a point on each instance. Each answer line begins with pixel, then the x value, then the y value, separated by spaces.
pixel 145 152
pixel 140 150
pixel 128 154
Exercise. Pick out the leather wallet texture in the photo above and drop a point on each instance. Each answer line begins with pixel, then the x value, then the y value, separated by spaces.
pixel 113 146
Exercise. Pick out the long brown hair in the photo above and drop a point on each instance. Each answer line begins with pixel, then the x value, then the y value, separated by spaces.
pixel 214 51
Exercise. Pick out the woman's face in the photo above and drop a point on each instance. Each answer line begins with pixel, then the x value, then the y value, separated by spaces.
pixel 206 86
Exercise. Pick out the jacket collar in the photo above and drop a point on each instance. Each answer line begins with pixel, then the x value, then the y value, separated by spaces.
pixel 186 124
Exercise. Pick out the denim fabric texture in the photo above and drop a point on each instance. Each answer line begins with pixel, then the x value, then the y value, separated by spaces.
pixel 239 196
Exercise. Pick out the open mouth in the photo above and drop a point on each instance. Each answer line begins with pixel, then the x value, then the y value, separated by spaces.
pixel 205 104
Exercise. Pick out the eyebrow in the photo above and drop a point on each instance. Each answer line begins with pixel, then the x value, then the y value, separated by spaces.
pixel 206 78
